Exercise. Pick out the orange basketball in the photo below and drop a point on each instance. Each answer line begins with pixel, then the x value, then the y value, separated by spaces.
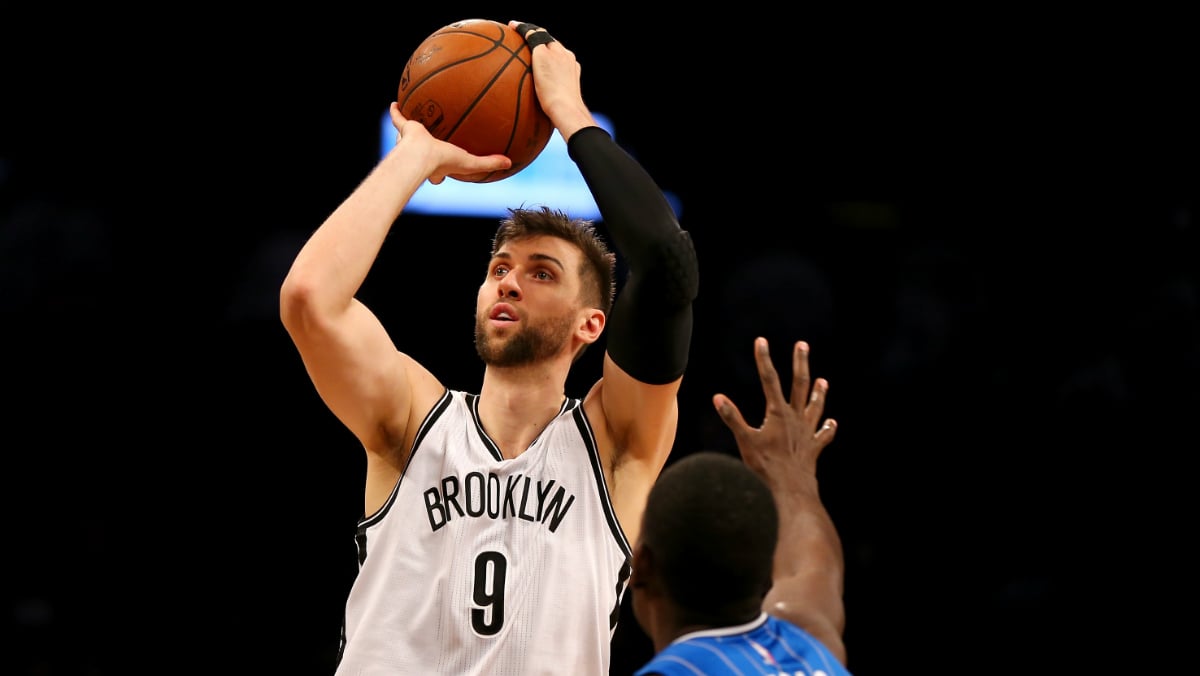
pixel 471 83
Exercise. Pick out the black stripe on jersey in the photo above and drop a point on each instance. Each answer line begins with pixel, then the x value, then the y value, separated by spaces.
pixel 614 615
pixel 610 514
pixel 589 441
pixel 427 424
pixel 473 406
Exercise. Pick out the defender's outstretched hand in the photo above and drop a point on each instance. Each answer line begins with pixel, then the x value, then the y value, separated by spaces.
pixel 809 565
pixel 792 435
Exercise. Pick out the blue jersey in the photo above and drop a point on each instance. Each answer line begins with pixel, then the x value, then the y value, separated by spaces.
pixel 767 645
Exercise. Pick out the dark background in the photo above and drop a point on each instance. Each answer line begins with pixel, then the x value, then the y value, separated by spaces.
pixel 985 226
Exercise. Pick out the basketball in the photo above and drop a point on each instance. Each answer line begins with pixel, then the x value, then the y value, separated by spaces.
pixel 471 83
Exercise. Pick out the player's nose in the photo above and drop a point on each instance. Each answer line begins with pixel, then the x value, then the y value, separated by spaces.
pixel 508 286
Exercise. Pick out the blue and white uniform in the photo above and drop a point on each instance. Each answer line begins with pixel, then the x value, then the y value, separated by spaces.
pixel 768 645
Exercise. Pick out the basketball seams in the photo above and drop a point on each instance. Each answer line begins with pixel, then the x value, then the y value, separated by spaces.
pixel 499 73
pixel 459 109
pixel 424 53
pixel 479 95
pixel 517 102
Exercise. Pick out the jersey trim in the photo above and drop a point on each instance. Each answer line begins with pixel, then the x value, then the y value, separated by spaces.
pixel 610 514
pixel 436 412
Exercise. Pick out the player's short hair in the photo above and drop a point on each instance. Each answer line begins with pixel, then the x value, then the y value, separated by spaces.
pixel 712 526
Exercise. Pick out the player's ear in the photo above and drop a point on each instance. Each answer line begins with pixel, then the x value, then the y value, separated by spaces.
pixel 641 572
pixel 591 325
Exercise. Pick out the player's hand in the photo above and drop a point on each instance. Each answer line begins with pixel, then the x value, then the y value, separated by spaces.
pixel 442 158
pixel 556 78
pixel 792 435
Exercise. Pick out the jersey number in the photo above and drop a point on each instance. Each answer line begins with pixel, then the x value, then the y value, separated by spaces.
pixel 490 568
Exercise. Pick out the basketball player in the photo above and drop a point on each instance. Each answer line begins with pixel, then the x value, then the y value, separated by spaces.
pixel 496 528
pixel 714 529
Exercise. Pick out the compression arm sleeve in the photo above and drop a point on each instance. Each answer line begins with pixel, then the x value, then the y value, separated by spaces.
pixel 650 326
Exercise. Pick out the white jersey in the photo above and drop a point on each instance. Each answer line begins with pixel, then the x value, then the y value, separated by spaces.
pixel 481 565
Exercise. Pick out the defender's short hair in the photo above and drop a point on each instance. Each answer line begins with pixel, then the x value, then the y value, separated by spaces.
pixel 712 525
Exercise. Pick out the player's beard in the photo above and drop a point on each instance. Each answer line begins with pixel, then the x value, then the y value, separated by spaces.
pixel 529 345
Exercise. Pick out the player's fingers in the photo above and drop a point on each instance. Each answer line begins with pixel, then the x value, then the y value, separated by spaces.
pixel 541 37
pixel 815 406
pixel 523 27
pixel 730 415
pixel 800 376
pixel 398 118
pixel 826 432
pixel 767 373
pixel 534 35
pixel 481 166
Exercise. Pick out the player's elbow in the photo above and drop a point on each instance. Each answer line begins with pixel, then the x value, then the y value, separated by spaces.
pixel 297 303
pixel 676 270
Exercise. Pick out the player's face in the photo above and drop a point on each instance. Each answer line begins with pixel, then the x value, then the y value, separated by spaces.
pixel 528 307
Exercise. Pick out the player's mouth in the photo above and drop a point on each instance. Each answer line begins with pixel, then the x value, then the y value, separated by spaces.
pixel 503 312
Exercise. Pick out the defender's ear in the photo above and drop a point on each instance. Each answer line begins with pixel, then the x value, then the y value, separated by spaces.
pixel 642 570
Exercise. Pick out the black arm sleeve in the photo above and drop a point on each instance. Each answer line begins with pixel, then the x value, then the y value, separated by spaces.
pixel 650 327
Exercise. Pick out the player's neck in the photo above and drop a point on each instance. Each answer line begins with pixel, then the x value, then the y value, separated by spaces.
pixel 545 379
pixel 515 405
